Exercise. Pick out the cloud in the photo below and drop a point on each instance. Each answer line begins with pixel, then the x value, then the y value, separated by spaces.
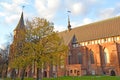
pixel 47 8
pixel 93 1
pixel 87 20
pixel 109 12
pixel 2 47
pixel 106 13
pixel 77 8
pixel 11 10
pixel 59 28
pixel 80 7
pixel 20 2
pixel 2 14
pixel 12 18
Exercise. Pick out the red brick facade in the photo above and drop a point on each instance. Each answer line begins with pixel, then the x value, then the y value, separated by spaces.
pixel 102 64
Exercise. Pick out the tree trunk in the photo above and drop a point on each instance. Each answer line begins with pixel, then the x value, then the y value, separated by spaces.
pixel 41 74
pixel 1 70
pixel 56 75
pixel 37 74
pixel 13 74
pixel 23 73
pixel 6 69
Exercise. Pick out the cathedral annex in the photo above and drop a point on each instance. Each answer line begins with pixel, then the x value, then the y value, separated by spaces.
pixel 94 49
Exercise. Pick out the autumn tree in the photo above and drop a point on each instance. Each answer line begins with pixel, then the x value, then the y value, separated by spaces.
pixel 38 45
pixel 17 54
pixel 43 43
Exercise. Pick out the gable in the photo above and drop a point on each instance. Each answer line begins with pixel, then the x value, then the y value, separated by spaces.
pixel 74 39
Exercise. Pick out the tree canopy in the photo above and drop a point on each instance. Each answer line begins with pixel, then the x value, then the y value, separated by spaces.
pixel 40 44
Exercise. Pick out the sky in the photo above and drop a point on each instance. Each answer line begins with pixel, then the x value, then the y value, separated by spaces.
pixel 82 12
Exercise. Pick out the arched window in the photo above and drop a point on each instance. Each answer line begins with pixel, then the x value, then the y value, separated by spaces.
pixel 69 58
pixel 106 56
pixel 79 58
pixel 92 57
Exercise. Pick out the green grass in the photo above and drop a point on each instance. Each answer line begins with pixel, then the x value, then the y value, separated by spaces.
pixel 77 78
pixel 19 79
pixel 86 78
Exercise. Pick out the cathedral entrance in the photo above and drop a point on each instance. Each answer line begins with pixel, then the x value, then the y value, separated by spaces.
pixel 112 73
pixel 45 74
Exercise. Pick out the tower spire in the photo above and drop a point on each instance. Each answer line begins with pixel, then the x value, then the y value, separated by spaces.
pixel 69 26
pixel 20 24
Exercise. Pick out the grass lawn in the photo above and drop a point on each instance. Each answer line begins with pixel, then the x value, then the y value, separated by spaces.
pixel 86 78
pixel 78 78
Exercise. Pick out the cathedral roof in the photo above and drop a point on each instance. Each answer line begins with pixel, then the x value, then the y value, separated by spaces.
pixel 93 31
pixel 20 24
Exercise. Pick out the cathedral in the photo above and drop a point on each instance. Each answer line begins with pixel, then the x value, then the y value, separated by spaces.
pixel 94 49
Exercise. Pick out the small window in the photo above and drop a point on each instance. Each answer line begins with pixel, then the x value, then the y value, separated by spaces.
pixel 70 71
pixel 105 40
pixel 74 71
pixel 88 42
pixel 117 38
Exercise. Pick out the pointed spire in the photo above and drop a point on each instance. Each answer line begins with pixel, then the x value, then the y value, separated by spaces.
pixel 20 23
pixel 69 26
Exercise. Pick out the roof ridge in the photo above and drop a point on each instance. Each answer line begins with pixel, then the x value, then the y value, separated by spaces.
pixel 97 30
pixel 100 21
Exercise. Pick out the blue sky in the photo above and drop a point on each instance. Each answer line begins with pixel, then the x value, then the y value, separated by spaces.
pixel 82 12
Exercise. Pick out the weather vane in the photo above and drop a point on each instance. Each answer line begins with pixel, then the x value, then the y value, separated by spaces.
pixel 68 14
pixel 69 11
pixel 23 7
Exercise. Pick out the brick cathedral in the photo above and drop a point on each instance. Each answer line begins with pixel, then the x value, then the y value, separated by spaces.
pixel 94 49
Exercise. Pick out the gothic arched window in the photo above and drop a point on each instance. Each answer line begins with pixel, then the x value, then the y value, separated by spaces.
pixel 92 57
pixel 80 58
pixel 106 56
pixel 69 58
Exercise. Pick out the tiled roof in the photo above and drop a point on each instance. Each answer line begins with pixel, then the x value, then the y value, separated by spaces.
pixel 97 30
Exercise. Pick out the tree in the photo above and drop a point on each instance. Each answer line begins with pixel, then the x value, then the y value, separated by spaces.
pixel 44 44
pixel 17 55
pixel 38 45
pixel 4 62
